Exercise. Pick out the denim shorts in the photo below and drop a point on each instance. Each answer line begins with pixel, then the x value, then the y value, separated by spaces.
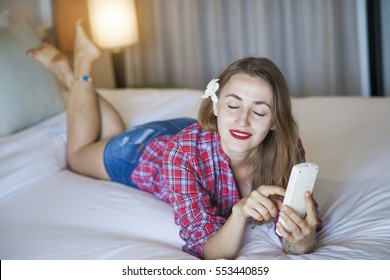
pixel 122 152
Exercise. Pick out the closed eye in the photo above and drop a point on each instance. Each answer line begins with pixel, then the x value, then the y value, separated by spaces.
pixel 258 114
pixel 232 107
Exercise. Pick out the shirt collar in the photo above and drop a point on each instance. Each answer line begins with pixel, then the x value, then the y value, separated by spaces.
pixel 225 158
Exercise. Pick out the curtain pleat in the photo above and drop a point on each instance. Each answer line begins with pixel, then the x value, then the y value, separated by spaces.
pixel 186 43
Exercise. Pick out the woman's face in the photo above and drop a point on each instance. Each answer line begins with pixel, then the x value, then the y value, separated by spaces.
pixel 244 114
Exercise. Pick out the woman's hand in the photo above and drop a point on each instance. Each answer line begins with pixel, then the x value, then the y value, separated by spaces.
pixel 261 204
pixel 302 238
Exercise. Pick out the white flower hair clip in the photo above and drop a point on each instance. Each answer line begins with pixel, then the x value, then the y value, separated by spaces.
pixel 211 89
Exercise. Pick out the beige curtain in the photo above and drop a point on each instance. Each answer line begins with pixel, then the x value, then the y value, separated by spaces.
pixel 186 43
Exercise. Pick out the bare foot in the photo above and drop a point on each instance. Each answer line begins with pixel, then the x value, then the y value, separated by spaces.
pixel 55 61
pixel 85 52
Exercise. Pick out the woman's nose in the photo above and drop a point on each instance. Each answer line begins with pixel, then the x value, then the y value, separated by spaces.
pixel 243 119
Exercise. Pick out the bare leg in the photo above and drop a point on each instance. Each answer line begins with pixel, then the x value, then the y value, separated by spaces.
pixel 55 61
pixel 85 147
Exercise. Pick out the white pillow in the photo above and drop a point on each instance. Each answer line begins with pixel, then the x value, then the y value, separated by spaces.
pixel 28 91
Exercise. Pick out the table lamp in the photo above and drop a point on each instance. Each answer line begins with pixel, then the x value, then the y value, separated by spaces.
pixel 114 27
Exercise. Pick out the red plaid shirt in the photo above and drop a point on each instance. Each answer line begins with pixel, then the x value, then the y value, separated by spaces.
pixel 191 171
pixel 148 175
pixel 203 190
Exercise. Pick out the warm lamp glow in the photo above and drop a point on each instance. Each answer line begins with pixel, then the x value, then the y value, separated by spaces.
pixel 113 23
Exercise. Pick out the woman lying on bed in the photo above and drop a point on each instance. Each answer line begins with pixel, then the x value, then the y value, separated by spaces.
pixel 218 173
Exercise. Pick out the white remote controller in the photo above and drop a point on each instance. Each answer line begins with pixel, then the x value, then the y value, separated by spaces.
pixel 302 179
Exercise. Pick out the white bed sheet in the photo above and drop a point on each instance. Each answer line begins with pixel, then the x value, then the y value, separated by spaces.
pixel 48 212
pixel 68 216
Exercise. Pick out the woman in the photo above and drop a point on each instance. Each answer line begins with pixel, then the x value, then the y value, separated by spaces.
pixel 229 168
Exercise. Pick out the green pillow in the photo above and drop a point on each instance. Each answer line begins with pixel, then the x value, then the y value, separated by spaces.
pixel 28 91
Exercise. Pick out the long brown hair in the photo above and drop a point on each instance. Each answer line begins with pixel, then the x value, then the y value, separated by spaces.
pixel 277 153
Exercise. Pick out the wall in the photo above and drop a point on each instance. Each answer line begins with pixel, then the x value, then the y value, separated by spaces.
pixel 22 9
pixel 38 11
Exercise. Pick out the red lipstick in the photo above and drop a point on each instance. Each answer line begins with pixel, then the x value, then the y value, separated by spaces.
pixel 240 135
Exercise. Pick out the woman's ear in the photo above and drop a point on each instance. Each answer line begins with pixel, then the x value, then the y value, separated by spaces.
pixel 215 108
pixel 273 127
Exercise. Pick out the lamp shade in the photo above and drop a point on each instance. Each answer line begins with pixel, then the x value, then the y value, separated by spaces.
pixel 113 23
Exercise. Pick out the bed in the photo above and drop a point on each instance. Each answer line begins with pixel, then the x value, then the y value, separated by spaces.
pixel 49 212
